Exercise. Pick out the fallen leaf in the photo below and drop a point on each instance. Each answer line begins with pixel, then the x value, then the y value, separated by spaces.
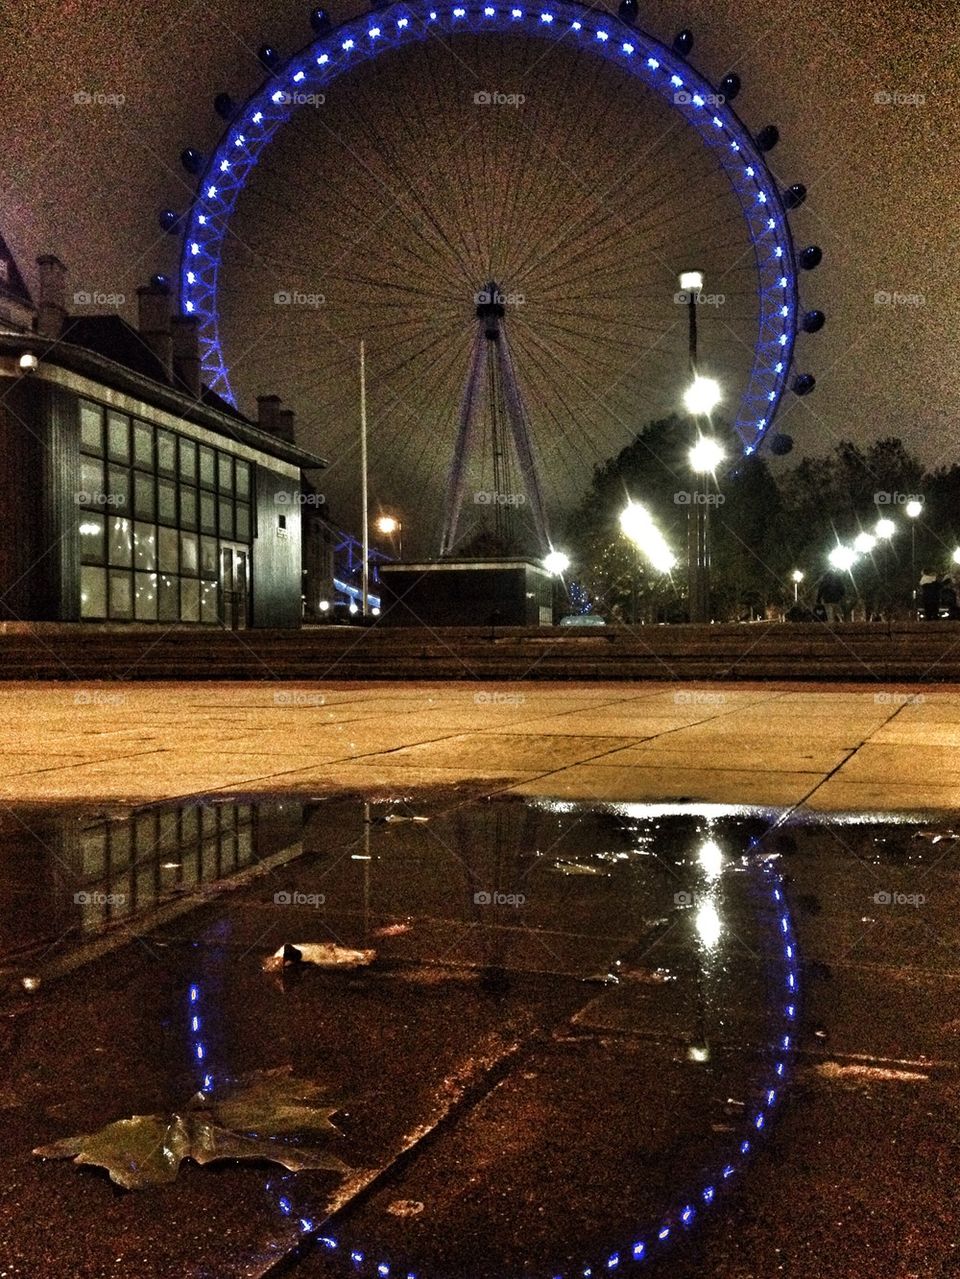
pixel 147 1150
pixel 320 954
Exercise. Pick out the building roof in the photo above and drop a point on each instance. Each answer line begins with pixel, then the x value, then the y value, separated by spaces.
pixel 113 338
pixel 12 283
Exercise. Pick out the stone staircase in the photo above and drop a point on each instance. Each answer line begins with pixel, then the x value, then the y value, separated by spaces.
pixel 872 653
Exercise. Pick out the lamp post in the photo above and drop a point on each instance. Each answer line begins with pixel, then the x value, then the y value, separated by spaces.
pixel 704 457
pixel 913 510
pixel 796 577
pixel 388 525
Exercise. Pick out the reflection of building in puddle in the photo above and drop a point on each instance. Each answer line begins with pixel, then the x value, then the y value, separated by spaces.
pixel 70 872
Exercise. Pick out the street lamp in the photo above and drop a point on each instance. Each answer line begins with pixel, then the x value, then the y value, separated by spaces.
pixel 796 577
pixel 843 558
pixel 885 529
pixel 956 556
pixel 913 510
pixel 702 396
pixel 556 563
pixel 388 525
pixel 704 457
pixel 864 543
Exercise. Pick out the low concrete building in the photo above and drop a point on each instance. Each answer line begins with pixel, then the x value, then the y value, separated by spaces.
pixel 467 592
pixel 129 491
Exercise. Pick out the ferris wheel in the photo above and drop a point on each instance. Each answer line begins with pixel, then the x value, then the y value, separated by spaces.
pixel 377 181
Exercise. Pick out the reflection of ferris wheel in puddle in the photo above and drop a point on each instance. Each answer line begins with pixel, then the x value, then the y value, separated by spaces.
pixel 696 1200
pixel 590 284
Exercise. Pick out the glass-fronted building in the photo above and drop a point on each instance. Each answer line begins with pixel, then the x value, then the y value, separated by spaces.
pixel 126 498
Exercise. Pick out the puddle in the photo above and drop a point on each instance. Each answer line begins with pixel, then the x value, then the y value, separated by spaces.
pixel 557 1035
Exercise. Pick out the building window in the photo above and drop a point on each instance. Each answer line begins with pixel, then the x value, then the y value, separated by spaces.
pixel 188 507
pixel 93 538
pixel 188 461
pixel 121 595
pixel 91 427
pixel 143 446
pixel 144 546
pixel 145 597
pixel 208 465
pixel 166 453
pixel 168 544
pixel 93 592
pixel 156 506
pixel 120 547
pixel 166 502
pixel 92 486
pixel 189 554
pixel 144 497
pixel 118 437
pixel 118 481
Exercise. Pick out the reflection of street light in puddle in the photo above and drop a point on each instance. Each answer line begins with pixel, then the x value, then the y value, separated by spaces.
pixel 708 925
pixel 710 858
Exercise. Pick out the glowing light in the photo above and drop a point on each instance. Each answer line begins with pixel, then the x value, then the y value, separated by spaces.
pixel 706 455
pixel 653 64
pixel 324 606
pixel 702 396
pixel 637 524
pixel 602 35
pixel 691 281
pixel 347 45
pixel 864 543
pixel 797 576
pixel 913 509
pixel 710 858
pixel 556 563
pixel 885 529
pixel 627 48
pixel 28 362
pixel 708 925
pixel 546 17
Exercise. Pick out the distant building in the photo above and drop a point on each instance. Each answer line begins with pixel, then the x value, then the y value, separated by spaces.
pixel 129 492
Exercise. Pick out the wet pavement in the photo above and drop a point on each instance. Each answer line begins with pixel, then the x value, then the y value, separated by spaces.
pixel 574 1018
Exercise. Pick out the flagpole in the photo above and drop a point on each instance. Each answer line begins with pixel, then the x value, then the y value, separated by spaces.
pixel 365 579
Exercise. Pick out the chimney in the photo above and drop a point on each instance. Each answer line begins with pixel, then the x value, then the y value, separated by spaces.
pixel 186 352
pixel 285 426
pixel 51 309
pixel 268 413
pixel 154 321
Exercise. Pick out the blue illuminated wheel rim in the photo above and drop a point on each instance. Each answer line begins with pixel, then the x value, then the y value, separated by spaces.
pixel 688 1207
pixel 311 71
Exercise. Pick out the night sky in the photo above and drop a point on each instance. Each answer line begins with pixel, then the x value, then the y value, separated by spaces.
pixel 86 182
